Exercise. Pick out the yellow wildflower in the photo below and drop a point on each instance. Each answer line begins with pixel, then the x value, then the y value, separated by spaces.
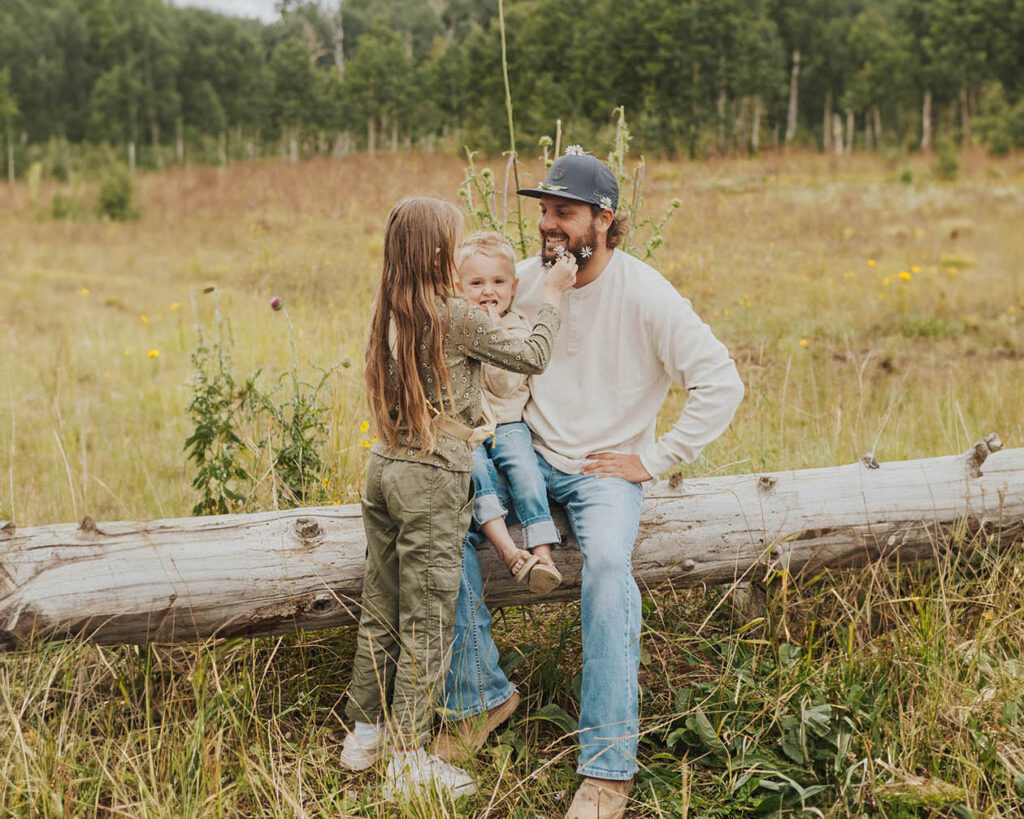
pixel 364 426
pixel 915 268
pixel 144 318
pixel 906 276
pixel 350 351
pixel 803 342
pixel 871 263
pixel 365 444
pixel 175 305
pixel 886 281
pixel 153 353
pixel 84 291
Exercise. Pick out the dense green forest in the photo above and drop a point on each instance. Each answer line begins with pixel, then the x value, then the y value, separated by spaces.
pixel 162 84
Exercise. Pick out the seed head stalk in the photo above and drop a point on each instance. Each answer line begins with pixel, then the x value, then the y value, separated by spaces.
pixel 511 130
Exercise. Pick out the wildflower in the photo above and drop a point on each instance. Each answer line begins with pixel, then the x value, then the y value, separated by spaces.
pixel 606 203
pixel 915 268
pixel 276 303
pixel 153 353
pixel 364 426
pixel 587 252
pixel 365 444
pixel 561 252
pixel 803 342
pixel 871 262
pixel 906 276
pixel 175 306
pixel 144 318
pixel 886 281
pixel 574 150
pixel 127 351
pixel 84 291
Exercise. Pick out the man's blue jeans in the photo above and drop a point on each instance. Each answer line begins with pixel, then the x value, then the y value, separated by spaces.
pixel 510 452
pixel 605 515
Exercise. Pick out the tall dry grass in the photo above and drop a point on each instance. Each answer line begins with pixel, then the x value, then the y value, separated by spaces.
pixel 795 261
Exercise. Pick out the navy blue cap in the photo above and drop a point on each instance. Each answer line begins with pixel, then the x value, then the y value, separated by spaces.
pixel 579 176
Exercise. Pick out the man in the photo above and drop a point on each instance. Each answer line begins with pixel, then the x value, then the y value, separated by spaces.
pixel 626 335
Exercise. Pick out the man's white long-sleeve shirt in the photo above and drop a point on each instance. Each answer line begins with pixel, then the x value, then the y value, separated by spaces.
pixel 625 337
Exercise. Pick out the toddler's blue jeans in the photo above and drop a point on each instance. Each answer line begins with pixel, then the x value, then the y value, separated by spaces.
pixel 510 452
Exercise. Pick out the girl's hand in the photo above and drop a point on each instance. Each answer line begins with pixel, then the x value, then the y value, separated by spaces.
pixel 492 311
pixel 561 276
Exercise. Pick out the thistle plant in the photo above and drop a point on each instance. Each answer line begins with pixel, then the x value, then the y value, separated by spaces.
pixel 255 449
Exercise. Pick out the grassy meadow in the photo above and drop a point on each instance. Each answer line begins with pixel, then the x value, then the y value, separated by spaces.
pixel 869 307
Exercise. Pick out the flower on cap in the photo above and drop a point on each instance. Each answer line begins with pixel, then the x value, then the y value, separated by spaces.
pixel 574 150
pixel 606 203
pixel 587 252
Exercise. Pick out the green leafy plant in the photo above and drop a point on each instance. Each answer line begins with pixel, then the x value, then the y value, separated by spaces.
pixel 116 190
pixel 255 449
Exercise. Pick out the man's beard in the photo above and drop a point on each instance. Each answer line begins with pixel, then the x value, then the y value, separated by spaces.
pixel 574 246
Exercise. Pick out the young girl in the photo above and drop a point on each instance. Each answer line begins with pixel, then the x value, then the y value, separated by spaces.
pixel 487 277
pixel 423 363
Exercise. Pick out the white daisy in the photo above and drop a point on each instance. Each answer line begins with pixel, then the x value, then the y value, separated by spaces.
pixel 606 203
pixel 574 150
pixel 587 252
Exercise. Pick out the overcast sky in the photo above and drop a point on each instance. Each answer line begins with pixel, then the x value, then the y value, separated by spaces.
pixel 263 9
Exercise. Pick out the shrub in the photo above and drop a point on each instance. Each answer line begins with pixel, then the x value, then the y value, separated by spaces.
pixel 116 194
pixel 947 166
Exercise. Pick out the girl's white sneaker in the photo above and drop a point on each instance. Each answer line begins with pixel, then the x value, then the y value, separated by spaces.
pixel 411 771
pixel 363 746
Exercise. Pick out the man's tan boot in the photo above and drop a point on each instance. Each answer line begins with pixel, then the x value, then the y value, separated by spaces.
pixel 600 799
pixel 467 736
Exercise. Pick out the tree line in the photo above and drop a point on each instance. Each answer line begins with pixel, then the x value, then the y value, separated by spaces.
pixel 163 84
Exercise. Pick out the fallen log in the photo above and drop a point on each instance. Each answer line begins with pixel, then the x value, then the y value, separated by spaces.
pixel 188 579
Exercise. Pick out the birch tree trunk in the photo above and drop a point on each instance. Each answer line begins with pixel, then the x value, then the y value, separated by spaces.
pixel 965 116
pixel 793 94
pixel 179 140
pixel 827 123
pixel 837 134
pixel 131 156
pixel 876 113
pixel 755 128
pixel 10 158
pixel 371 136
pixel 276 572
pixel 926 121
pixel 850 128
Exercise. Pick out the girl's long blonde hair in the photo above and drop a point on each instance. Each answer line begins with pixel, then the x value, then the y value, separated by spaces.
pixel 419 248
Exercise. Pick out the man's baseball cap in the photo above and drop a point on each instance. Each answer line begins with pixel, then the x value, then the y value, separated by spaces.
pixel 579 176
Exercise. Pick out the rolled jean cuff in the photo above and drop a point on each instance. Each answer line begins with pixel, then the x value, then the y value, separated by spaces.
pixel 486 508
pixel 540 533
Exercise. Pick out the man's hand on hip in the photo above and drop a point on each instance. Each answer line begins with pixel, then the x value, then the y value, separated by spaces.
pixel 616 465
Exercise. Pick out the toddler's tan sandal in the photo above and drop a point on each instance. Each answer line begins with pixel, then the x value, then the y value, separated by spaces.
pixel 600 799
pixel 544 578
pixel 528 563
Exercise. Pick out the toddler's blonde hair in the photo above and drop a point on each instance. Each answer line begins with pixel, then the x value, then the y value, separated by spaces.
pixel 488 243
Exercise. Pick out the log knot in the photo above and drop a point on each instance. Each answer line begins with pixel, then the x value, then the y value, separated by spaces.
pixel 980 451
pixel 766 483
pixel 7 527
pixel 869 460
pixel 675 480
pixel 308 528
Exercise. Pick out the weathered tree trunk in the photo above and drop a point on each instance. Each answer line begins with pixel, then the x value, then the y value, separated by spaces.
pixel 371 138
pixel 10 158
pixel 339 41
pixel 276 572
pixel 293 145
pixel 850 129
pixel 926 121
pixel 876 114
pixel 827 123
pixel 131 156
pixel 720 112
pixel 793 95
